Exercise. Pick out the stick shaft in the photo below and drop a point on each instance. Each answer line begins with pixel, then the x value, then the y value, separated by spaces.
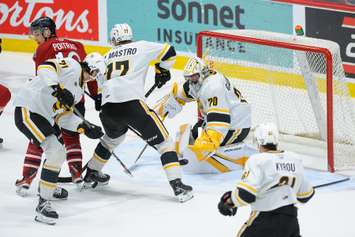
pixel 331 183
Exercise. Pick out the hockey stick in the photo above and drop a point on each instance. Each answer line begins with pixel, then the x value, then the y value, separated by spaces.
pixel 77 112
pixel 142 151
pixel 69 179
pixel 331 183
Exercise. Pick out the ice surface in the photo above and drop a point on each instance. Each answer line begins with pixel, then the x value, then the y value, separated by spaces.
pixel 144 205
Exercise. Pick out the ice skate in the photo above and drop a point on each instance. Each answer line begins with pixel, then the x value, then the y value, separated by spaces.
pixel 60 194
pixel 23 186
pixel 45 213
pixel 182 192
pixel 95 178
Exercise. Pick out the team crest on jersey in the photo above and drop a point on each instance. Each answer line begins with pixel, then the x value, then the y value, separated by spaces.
pixel 245 174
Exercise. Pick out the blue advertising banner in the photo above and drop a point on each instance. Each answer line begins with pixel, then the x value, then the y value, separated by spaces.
pixel 178 21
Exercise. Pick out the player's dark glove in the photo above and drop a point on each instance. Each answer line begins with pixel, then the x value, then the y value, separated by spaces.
pixel 90 130
pixel 225 205
pixel 162 75
pixel 64 96
pixel 98 101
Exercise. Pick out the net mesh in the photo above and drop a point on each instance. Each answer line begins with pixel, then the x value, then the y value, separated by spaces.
pixel 288 87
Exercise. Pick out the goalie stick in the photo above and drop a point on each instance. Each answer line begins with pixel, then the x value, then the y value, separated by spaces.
pixel 331 183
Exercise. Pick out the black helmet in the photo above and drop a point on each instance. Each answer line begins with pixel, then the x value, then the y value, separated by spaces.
pixel 42 23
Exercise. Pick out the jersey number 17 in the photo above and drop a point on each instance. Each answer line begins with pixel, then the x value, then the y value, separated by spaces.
pixel 120 66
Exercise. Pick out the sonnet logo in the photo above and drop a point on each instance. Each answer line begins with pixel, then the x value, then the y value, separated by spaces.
pixel 74 19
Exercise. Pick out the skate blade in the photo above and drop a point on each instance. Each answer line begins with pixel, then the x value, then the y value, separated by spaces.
pixel 58 199
pixel 92 185
pixel 22 192
pixel 184 197
pixel 45 220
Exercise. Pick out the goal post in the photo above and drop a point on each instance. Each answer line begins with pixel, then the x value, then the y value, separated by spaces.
pixel 295 81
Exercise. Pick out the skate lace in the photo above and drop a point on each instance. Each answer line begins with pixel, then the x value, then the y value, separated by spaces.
pixel 57 191
pixel 101 174
pixel 47 206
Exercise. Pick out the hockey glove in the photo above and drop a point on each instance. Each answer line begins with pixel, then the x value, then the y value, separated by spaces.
pixel 162 75
pixel 170 104
pixel 64 96
pixel 91 131
pixel 226 206
pixel 98 101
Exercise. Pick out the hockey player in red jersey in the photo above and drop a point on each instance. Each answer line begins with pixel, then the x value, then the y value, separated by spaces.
pixel 43 31
pixel 5 97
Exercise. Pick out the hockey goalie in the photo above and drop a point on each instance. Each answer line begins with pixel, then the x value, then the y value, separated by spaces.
pixel 226 120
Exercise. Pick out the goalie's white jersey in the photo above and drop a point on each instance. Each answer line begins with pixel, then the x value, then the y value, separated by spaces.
pixel 36 94
pixel 276 179
pixel 222 105
pixel 127 67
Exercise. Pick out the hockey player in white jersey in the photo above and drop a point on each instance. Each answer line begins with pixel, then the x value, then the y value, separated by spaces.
pixel 123 104
pixel 272 183
pixel 226 120
pixel 38 103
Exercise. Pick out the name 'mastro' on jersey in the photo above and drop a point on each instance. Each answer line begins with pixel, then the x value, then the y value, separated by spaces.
pixel 127 67
pixel 271 180
pixel 36 94
pixel 222 105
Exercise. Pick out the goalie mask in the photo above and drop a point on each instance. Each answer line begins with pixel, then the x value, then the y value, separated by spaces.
pixel 94 64
pixel 121 32
pixel 266 134
pixel 195 72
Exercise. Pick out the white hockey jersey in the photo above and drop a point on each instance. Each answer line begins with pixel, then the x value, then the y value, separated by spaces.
pixel 127 67
pixel 222 105
pixel 276 179
pixel 36 94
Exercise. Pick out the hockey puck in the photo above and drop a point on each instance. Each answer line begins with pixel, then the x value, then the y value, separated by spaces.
pixel 183 161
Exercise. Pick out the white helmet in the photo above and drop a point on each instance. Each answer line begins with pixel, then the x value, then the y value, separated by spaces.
pixel 95 62
pixel 266 133
pixel 121 32
pixel 195 72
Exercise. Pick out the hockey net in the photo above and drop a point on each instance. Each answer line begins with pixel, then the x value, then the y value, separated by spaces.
pixel 294 81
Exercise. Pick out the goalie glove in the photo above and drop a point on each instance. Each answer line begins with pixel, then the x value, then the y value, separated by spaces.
pixel 90 130
pixel 64 96
pixel 170 104
pixel 171 107
pixel 206 143
pixel 226 206
pixel 162 75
